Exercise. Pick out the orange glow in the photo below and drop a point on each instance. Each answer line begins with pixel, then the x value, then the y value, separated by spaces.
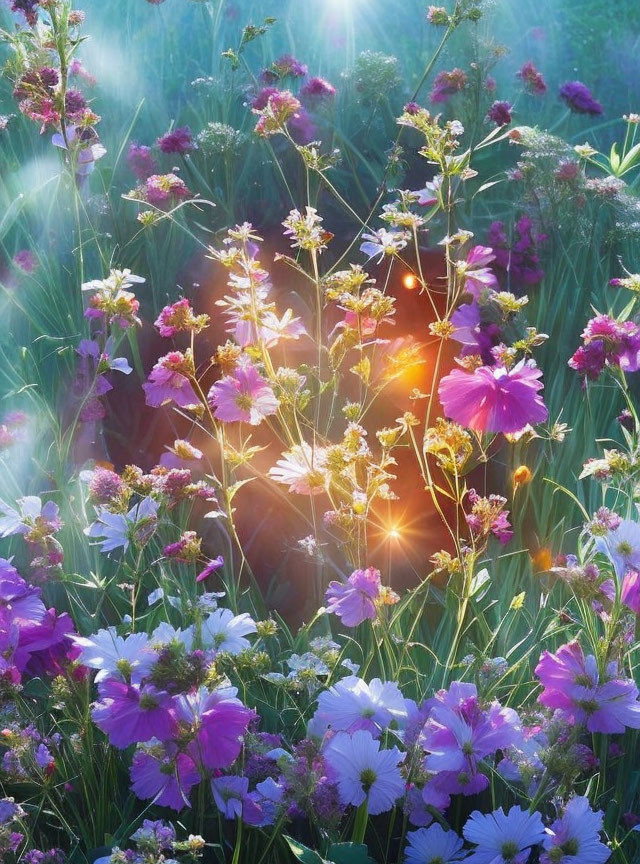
pixel 409 281
pixel 542 560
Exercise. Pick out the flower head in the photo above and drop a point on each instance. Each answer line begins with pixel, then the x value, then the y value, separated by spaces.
pixel 579 99
pixel 503 838
pixel 243 396
pixel 493 398
pixel 302 469
pixel 352 704
pixel 574 838
pixel 433 845
pixel 364 772
pixel 354 602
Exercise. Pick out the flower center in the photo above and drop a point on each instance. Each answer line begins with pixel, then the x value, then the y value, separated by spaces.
pixel 244 401
pixel 368 777
pixel 509 850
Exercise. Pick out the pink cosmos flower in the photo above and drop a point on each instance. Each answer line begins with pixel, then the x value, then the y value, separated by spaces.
pixel 244 396
pixel 572 685
pixel 354 602
pixel 219 721
pixel 493 398
pixel 458 734
pixel 477 275
pixel 129 714
pixel 167 383
pixel 158 772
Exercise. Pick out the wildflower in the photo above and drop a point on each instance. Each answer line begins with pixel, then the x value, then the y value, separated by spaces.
pixel 161 773
pixel 488 516
pixel 579 99
pixel 383 242
pixel 622 545
pixel 168 382
pixel 224 631
pixel 352 704
pixel 364 772
pixel 446 84
pixel 458 734
pixel 112 300
pixel 630 594
pixel 607 342
pixel 433 845
pixel 219 721
pixel 438 16
pixel 179 317
pixel 500 113
pixel 574 838
pixel 532 79
pixel 25 260
pixel 306 231
pixel 129 714
pixel 118 529
pixel 494 399
pixel 302 469
pixel 572 685
pixel 317 90
pixel 244 396
pixel 520 259
pixel 478 278
pixel 83 145
pixel 211 566
pixel 106 488
pixel 503 838
pixel 179 140
pixel 450 444
pixel 29 9
pixel 521 476
pixel 354 602
pixel 21 601
pixel 127 659
pixel 286 66
pixel 231 796
pixel 162 190
pixel 281 107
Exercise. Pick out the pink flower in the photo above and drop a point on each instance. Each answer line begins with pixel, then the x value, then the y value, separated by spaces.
pixel 219 720
pixel 140 160
pixel 631 590
pixel 493 398
pixel 572 685
pixel 532 79
pixel 478 277
pixel 167 383
pixel 244 396
pixel 179 140
pixel 213 565
pixel 316 90
pixel 354 602
pixel 167 778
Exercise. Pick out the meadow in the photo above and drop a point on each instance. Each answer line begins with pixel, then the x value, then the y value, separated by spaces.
pixel 319 432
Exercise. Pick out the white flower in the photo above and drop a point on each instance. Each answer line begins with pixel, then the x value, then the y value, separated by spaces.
pixel 164 634
pixel 224 631
pixel 364 772
pixel 353 704
pixel 116 529
pixel 302 469
pixel 115 656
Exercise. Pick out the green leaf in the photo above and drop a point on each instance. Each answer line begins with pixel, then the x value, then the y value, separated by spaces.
pixel 302 853
pixel 349 853
pixel 614 159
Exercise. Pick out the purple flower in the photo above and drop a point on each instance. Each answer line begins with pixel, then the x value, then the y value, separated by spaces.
pixel 579 98
pixel 354 602
pixel 179 140
pixel 231 795
pixel 622 546
pixel 212 566
pixel 572 685
pixel 168 383
pixel 458 735
pixel 243 396
pixel 532 79
pixel 500 113
pixel 219 721
pixel 575 837
pixel 140 160
pixel 130 714
pixel 20 601
pixel 317 90
pixel 364 772
pixel 446 84
pixel 503 838
pixel 493 398
pixel 607 342
pixel 631 590
pixel 433 845
pixel 167 777
pixel 519 259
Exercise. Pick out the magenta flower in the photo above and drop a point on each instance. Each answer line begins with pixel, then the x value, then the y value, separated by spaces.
pixel 159 773
pixel 579 98
pixel 355 601
pixel 446 84
pixel 493 398
pixel 458 735
pixel 20 601
pixel 572 685
pixel 532 79
pixel 219 721
pixel 179 140
pixel 317 90
pixel 607 342
pixel 179 317
pixel 631 590
pixel 243 396
pixel 168 383
pixel 478 277
pixel 129 714
pixel 140 160
pixel 211 567
pixel 500 113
